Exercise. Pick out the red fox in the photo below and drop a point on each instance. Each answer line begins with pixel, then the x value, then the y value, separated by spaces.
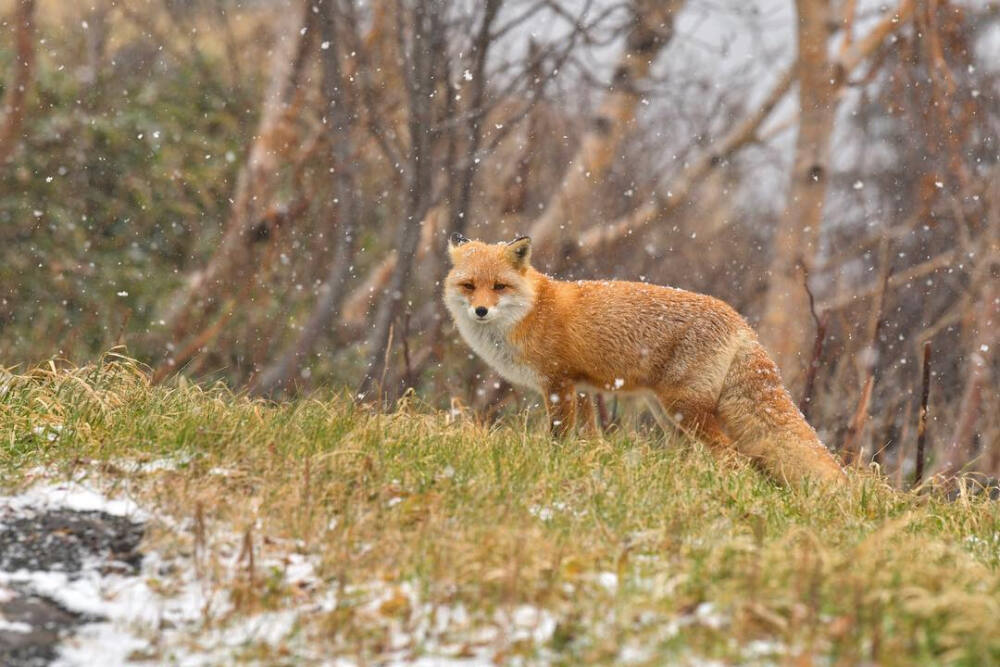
pixel 693 352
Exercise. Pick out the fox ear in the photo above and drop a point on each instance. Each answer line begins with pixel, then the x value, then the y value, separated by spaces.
pixel 454 242
pixel 520 251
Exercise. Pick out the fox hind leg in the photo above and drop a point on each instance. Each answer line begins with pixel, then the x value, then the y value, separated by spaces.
pixel 698 420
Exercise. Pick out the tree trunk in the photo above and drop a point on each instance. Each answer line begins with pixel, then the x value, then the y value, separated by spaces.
pixel 17 88
pixel 784 328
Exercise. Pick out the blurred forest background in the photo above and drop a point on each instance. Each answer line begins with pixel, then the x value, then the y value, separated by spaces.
pixel 259 192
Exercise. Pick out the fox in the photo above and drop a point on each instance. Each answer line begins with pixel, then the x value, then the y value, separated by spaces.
pixel 694 353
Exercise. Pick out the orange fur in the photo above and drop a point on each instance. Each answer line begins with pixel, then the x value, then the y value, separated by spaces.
pixel 694 352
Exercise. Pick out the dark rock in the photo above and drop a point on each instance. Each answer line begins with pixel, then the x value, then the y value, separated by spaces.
pixel 48 621
pixel 60 540
pixel 57 541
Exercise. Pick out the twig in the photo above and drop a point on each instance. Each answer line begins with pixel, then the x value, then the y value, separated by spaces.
pixel 126 316
pixel 192 348
pixel 852 447
pixel 850 451
pixel 199 536
pixel 602 412
pixel 898 279
pixel 385 363
pixel 903 439
pixel 817 351
pixel 407 362
pixel 247 553
pixel 925 389
pixel 888 437
pixel 307 486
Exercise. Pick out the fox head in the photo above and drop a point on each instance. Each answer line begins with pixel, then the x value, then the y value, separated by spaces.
pixel 489 283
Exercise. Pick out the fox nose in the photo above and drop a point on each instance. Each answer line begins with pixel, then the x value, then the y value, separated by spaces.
pixel 481 311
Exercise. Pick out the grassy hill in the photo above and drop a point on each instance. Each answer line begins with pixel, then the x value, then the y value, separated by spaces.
pixel 331 530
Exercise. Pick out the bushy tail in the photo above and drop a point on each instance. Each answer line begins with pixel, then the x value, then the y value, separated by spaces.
pixel 760 416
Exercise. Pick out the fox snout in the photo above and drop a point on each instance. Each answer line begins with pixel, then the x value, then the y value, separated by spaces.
pixel 481 313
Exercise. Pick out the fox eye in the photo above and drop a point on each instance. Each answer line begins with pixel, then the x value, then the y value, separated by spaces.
pixel 468 286
pixel 499 286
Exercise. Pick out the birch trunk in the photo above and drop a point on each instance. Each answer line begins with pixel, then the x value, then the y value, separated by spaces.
pixel 785 330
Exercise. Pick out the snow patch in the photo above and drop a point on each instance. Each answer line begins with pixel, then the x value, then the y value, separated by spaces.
pixel 8 626
pixel 74 496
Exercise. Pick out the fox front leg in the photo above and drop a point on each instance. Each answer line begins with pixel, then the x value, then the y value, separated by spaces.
pixel 560 405
pixel 586 416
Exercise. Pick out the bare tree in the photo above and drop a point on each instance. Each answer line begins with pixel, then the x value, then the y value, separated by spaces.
pixel 421 34
pixel 466 139
pixel 564 217
pixel 680 188
pixel 797 234
pixel 464 128
pixel 461 196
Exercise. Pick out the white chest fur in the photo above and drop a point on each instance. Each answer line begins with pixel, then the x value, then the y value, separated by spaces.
pixel 490 342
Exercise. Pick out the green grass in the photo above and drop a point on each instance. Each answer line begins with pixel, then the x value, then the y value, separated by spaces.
pixel 637 546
